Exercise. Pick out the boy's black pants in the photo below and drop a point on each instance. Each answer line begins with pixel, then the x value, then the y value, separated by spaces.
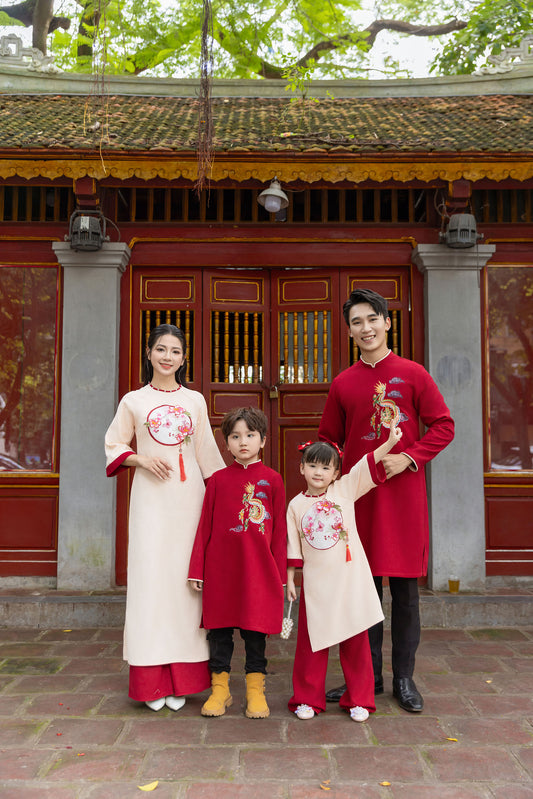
pixel 221 650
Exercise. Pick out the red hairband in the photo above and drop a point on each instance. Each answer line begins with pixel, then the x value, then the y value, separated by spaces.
pixel 340 453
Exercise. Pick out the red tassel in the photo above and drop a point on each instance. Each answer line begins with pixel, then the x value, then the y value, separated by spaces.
pixel 183 476
pixel 348 553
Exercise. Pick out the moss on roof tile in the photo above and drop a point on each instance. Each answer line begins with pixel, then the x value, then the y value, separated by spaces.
pixel 499 123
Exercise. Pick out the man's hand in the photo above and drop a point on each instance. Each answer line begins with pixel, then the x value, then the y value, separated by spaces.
pixel 395 464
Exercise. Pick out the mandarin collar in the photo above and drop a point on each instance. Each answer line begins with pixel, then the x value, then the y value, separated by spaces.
pixel 373 365
pixel 243 467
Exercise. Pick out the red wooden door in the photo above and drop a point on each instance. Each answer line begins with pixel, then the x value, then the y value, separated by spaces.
pixel 273 339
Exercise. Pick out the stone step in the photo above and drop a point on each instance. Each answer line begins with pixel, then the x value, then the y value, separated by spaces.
pixel 52 609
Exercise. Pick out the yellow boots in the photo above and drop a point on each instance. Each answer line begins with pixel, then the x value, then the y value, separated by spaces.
pixel 220 697
pixel 256 705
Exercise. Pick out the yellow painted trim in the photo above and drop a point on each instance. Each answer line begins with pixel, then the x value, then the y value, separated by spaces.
pixel 30 238
pixel 288 167
pixel 268 240
pixel 522 240
pixel 20 474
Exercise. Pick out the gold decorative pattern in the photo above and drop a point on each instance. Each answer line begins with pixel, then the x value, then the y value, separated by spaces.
pixel 355 169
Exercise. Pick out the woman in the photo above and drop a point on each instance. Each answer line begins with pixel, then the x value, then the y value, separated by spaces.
pixel 175 452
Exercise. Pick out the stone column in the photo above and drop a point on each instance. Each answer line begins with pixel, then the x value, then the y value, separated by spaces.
pixel 89 388
pixel 453 358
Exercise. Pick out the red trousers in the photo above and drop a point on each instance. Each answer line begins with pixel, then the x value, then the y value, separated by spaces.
pixel 171 679
pixel 309 670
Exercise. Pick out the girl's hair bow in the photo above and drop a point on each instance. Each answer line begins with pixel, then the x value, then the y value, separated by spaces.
pixel 339 450
pixel 301 447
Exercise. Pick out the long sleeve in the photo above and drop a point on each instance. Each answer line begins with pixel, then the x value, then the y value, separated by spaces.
pixel 361 478
pixel 333 422
pixel 118 438
pixel 207 452
pixel 434 414
pixel 279 531
pixel 294 545
pixel 203 534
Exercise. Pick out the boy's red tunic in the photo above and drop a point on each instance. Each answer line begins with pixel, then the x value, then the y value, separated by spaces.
pixel 240 550
pixel 363 399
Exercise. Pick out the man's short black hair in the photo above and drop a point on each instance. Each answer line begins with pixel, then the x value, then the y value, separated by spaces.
pixel 375 300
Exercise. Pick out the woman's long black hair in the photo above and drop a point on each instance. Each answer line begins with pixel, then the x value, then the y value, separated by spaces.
pixel 153 338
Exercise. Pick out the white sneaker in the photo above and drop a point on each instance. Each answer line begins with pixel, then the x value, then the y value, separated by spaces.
pixel 174 702
pixel 156 704
pixel 359 713
pixel 304 712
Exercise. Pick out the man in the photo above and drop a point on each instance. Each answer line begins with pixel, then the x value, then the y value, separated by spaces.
pixel 364 400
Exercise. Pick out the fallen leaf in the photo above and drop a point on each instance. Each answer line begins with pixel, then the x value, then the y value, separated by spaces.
pixel 59 733
pixel 488 681
pixel 452 739
pixel 384 782
pixel 150 787
pixel 325 788
pixel 67 631
pixel 80 754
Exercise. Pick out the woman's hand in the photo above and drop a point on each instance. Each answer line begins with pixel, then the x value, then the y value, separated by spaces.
pixel 159 467
pixel 197 585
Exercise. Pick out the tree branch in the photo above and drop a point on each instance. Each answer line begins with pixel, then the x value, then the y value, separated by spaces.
pixel 23 12
pixel 268 70
pixel 412 30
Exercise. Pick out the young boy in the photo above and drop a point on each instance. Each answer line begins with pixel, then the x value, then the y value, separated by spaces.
pixel 239 560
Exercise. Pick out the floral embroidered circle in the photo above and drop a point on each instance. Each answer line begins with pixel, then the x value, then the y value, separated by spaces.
pixel 322 525
pixel 170 425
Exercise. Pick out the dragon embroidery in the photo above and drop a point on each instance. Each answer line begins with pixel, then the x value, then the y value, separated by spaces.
pixel 386 412
pixel 253 509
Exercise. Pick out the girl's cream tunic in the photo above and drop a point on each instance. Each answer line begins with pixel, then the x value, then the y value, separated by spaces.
pixel 340 595
pixel 162 612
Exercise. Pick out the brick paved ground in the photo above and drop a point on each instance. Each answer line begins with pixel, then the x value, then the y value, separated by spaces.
pixel 68 729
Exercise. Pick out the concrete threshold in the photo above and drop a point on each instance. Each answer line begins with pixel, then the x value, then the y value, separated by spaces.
pixel 51 609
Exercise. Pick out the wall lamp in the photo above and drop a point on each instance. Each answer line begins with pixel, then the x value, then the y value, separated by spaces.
pixel 87 231
pixel 273 199
pixel 461 232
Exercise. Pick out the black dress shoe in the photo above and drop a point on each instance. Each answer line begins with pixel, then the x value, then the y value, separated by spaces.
pixel 405 691
pixel 335 694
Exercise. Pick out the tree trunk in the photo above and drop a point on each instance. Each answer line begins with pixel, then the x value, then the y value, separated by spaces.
pixel 42 17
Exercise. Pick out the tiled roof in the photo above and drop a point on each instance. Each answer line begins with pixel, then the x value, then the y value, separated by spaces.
pixel 485 124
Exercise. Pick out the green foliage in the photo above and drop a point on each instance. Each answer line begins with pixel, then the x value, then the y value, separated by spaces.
pixel 493 25
pixel 251 40
pixel 5 20
pixel 300 40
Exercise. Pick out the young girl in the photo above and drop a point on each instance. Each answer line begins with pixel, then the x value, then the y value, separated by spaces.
pixel 163 643
pixel 338 599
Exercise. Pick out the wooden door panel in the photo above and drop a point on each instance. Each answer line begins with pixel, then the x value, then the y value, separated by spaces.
pixel 304 359
pixel 236 336
pixel 28 542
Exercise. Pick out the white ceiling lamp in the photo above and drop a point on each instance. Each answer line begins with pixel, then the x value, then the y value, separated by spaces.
pixel 273 199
